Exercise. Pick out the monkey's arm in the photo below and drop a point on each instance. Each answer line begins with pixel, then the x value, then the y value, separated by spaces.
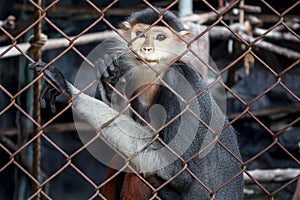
pixel 123 132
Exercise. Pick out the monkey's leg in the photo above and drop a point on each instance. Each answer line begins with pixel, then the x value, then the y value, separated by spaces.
pixel 112 189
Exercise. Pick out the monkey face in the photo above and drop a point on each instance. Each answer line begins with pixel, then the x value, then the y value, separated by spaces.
pixel 157 45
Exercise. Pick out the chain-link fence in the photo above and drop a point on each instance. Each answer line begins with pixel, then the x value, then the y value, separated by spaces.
pixel 254 58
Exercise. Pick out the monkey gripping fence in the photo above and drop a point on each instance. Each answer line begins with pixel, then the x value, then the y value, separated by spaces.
pixel 88 142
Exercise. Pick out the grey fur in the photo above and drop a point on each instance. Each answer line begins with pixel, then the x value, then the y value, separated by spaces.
pixel 187 136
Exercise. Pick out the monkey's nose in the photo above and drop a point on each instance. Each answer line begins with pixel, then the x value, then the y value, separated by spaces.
pixel 147 49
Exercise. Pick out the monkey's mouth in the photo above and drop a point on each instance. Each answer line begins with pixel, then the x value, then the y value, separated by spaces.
pixel 147 60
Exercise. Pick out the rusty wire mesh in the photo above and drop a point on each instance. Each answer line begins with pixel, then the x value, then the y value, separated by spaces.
pixel 16 153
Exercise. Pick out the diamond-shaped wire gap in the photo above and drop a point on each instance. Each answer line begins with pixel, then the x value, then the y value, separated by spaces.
pixel 184 169
pixel 249 47
pixel 26 29
pixel 11 46
pixel 235 35
pixel 25 171
pixel 252 97
pixel 16 49
pixel 22 94
pixel 5 150
pixel 196 178
pixel 96 22
pixel 286 127
pixel 14 44
pixel 67 178
pixel 62 51
pixel 284 186
pixel 276 7
pixel 256 122
pixel 66 162
pixel 118 170
pixel 288 152
pixel 246 40
pixel 259 75
pixel 260 126
pixel 24 47
pixel 291 30
pixel 198 55
pixel 295 96
pixel 28 168
pixel 79 31
pixel 220 13
pixel 269 160
pixel 284 13
pixel 71 40
pixel 92 158
pixel 85 30
pixel 263 35
pixel 235 159
pixel 289 68
pixel 87 178
pixel 285 98
pixel 256 187
pixel 228 151
pixel 5 104
pixel 261 147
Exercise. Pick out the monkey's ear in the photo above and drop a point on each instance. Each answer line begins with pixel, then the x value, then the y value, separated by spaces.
pixel 126 25
pixel 184 34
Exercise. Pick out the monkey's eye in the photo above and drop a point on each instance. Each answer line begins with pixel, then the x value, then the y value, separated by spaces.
pixel 139 34
pixel 161 37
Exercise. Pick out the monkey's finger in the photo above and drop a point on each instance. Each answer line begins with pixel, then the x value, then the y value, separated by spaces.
pixel 97 70
pixel 53 94
pixel 43 93
pixel 116 63
pixel 115 75
pixel 107 60
pixel 105 75
pixel 111 68
pixel 115 60
pixel 100 69
pixel 56 77
pixel 37 66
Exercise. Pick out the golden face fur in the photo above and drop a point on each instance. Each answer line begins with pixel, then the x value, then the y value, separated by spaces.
pixel 158 45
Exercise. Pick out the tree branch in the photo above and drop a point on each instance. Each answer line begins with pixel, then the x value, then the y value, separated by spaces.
pixel 271 175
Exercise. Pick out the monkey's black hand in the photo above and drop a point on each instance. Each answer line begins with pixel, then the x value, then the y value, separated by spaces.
pixel 107 69
pixel 56 77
